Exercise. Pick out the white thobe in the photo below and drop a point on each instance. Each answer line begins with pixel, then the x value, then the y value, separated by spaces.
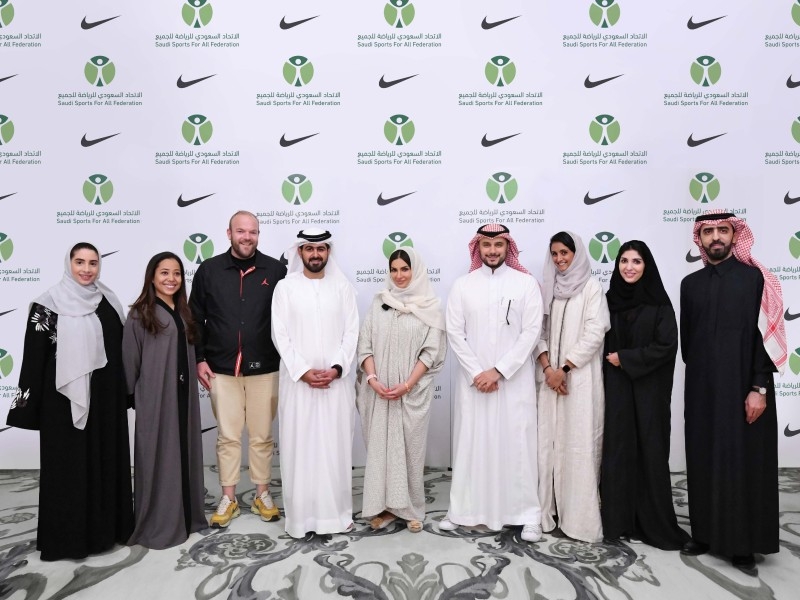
pixel 315 326
pixel 493 320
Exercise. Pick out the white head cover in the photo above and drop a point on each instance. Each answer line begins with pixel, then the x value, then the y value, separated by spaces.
pixel 79 347
pixel 556 284
pixel 418 296
pixel 313 235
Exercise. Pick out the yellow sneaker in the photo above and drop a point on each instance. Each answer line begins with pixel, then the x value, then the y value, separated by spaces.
pixel 226 511
pixel 265 507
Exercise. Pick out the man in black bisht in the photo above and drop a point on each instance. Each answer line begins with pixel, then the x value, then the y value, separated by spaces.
pixel 732 340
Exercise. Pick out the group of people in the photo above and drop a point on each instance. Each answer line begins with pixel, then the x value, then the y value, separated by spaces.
pixel 562 393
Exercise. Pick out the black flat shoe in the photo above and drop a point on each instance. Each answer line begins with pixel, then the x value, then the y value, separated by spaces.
pixel 693 548
pixel 746 564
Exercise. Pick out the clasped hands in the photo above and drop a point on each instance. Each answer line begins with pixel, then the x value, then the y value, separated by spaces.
pixel 487 381
pixel 320 378
pixel 393 393
pixel 556 380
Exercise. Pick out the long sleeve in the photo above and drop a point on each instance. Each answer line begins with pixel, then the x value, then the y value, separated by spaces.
pixel 295 363
pixel 457 334
pixel 132 343
pixel 596 321
pixel 531 324
pixel 347 348
pixel 197 304
pixel 434 350
pixel 365 349
pixel 641 361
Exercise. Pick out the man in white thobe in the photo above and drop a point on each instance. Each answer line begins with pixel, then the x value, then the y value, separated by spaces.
pixel 494 315
pixel 315 329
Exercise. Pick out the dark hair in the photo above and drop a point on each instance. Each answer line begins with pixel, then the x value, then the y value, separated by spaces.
pixel 82 246
pixel 145 304
pixel 564 238
pixel 637 246
pixel 402 255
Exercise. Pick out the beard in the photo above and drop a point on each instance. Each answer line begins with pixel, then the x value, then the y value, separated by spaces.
pixel 493 265
pixel 315 265
pixel 718 251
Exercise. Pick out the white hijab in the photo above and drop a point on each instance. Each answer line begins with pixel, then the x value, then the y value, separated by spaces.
pixel 417 297
pixel 79 347
pixel 564 285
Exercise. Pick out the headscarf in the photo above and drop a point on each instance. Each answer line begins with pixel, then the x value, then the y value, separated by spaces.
pixel 649 289
pixel 79 346
pixel 313 235
pixel 495 230
pixel 770 316
pixel 564 285
pixel 418 297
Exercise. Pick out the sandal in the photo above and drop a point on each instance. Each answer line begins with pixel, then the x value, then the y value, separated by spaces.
pixel 382 521
pixel 414 526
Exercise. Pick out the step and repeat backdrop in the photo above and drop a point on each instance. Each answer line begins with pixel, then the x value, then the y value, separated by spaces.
pixel 143 126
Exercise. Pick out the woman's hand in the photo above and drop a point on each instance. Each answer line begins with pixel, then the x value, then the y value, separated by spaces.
pixel 613 358
pixel 556 380
pixel 378 388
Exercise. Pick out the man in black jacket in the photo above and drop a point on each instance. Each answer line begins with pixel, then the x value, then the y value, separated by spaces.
pixel 237 362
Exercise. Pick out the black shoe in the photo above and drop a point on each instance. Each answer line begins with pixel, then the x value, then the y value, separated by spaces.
pixel 693 548
pixel 746 564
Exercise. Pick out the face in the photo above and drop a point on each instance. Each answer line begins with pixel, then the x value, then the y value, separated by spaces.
pixel 315 257
pixel 631 266
pixel 400 273
pixel 493 251
pixel 243 235
pixel 167 279
pixel 561 255
pixel 85 266
pixel 717 240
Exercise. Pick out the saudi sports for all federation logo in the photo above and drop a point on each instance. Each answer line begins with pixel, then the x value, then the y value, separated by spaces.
pixel 794 361
pixel 399 13
pixel 500 71
pixel 296 189
pixel 399 130
pixel 502 187
pixel 6 363
pixel 197 13
pixel 704 187
pixel 298 71
pixel 705 71
pixel 795 129
pixel 604 13
pixel 794 245
pixel 198 247
pixel 604 246
pixel 6 247
pixel 197 130
pixel 98 189
pixel 6 129
pixel 796 12
pixel 604 130
pixel 396 240
pixel 6 13
pixel 99 71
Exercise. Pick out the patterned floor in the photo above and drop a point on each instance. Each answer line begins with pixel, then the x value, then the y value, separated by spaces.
pixel 253 560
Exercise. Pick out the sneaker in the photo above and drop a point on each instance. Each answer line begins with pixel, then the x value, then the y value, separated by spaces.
pixel 447 525
pixel 226 511
pixel 265 507
pixel 531 533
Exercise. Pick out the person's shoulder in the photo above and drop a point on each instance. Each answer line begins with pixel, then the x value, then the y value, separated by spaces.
pixel 593 286
pixel 267 261
pixel 215 262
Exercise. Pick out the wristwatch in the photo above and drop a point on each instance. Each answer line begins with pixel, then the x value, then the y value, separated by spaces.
pixel 566 368
pixel 759 389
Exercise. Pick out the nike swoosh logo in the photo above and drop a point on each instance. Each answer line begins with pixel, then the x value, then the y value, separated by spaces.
pixel 789 83
pixel 789 316
pixel 108 253
pixel 588 200
pixel 184 84
pixel 5 312
pixel 286 143
pixel 789 433
pixel 87 25
pixel 208 429
pixel 787 199
pixel 697 25
pixel 591 84
pixel 691 258
pixel 87 143
pixel 487 143
pixel 288 25
pixel 7 196
pixel 10 76
pixel 387 84
pixel 182 203
pixel 693 143
pixel 485 24
pixel 384 201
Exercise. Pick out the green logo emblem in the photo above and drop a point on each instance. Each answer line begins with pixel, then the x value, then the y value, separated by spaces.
pixel 6 13
pixel 794 245
pixel 399 130
pixel 197 13
pixel 604 13
pixel 502 187
pixel 500 71
pixel 794 361
pixel 6 363
pixel 197 130
pixel 604 246
pixel 198 247
pixel 6 129
pixel 604 130
pixel 298 71
pixel 98 189
pixel 705 71
pixel 795 12
pixel 296 189
pixel 399 13
pixel 99 71
pixel 396 240
pixel 704 187
pixel 6 247
pixel 795 129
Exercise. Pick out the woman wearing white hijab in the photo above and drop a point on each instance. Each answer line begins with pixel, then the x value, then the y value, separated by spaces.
pixel 571 400
pixel 401 348
pixel 71 388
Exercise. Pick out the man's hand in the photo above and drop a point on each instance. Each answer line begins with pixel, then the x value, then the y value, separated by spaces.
pixel 754 406
pixel 319 378
pixel 205 375
pixel 487 381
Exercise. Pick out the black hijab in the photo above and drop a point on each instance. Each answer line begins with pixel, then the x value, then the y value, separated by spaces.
pixel 649 289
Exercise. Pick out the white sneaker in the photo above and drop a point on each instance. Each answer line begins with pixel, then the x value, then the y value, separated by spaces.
pixel 531 533
pixel 447 525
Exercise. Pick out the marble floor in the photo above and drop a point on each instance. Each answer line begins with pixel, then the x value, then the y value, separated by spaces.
pixel 254 560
